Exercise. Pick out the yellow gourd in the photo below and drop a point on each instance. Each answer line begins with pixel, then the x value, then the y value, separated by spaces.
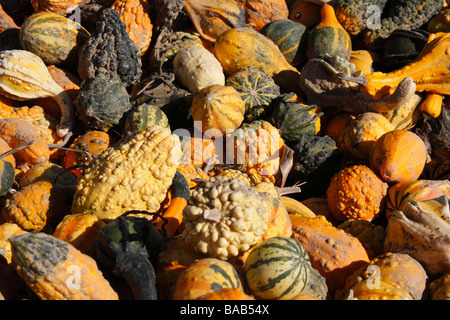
pixel 430 70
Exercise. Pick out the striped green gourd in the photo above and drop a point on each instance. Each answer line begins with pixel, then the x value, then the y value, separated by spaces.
pixel 290 37
pixel 329 37
pixel 145 115
pixel 256 88
pixel 277 268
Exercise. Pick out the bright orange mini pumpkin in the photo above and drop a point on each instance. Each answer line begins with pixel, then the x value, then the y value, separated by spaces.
pixel 398 155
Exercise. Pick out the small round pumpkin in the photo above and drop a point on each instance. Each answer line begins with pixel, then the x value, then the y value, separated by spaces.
pixel 356 192
pixel 205 276
pixel 398 155
pixel 217 109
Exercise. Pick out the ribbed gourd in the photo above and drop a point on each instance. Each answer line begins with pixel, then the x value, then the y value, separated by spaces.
pixel 205 276
pixel 53 37
pixel 290 37
pixel 277 268
pixel 257 89
pixel 292 117
pixel 134 174
pixel 144 115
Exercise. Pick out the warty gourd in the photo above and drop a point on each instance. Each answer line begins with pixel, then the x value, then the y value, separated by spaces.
pixel 225 217
pixel 134 174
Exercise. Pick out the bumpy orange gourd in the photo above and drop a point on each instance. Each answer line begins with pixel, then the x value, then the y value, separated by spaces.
pixel 333 252
pixel 398 155
pixel 356 192
pixel 16 132
pixel 259 13
pixel 136 16
pixel 35 207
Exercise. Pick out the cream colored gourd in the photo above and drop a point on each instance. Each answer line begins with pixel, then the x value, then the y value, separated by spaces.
pixel 196 68
pixel 24 76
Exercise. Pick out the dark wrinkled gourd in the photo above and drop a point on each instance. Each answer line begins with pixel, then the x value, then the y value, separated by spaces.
pixel 102 102
pixel 110 51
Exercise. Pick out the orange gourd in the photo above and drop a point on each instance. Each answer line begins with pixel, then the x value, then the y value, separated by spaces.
pixel 213 17
pixel 227 294
pixel 35 207
pixel 16 132
pixel 430 70
pixel 356 192
pixel 398 155
pixel 259 13
pixel 217 109
pixel 432 104
pixel 333 252
pixel 136 16
pixel 84 148
pixel 80 230
pixel 305 12
pixel 395 268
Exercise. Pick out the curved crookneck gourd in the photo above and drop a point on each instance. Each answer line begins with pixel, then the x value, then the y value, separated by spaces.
pixel 330 81
pixel 430 70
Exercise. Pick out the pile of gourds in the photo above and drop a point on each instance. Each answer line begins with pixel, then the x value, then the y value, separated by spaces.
pixel 224 150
